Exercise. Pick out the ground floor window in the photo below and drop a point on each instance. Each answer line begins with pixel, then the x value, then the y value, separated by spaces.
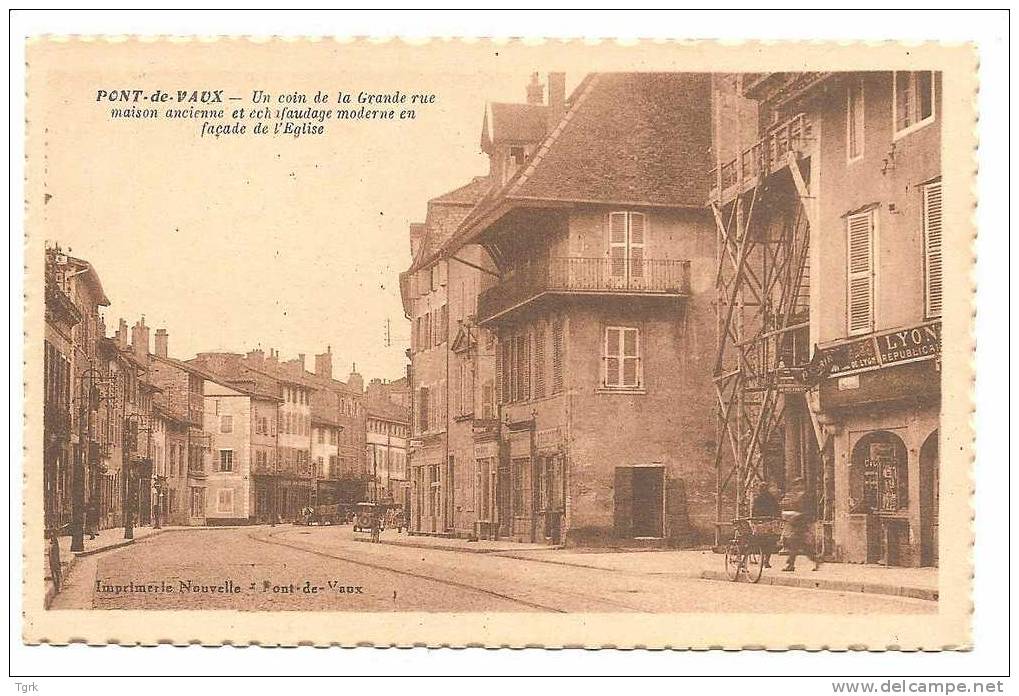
pixel 197 501
pixel 484 488
pixel 878 474
pixel 225 501
pixel 521 481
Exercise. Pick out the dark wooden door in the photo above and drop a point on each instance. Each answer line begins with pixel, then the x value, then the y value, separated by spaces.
pixel 648 500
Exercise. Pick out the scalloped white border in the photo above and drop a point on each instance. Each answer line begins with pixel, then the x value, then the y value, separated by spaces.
pixel 744 46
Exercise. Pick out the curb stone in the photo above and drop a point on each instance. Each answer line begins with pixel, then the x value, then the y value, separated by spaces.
pixel 834 585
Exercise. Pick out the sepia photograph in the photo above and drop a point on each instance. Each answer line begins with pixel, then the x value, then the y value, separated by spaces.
pixel 450 343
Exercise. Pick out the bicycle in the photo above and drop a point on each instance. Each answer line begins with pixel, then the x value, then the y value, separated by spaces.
pixel 753 538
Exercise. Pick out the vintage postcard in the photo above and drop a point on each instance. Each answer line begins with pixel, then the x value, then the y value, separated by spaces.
pixel 499 343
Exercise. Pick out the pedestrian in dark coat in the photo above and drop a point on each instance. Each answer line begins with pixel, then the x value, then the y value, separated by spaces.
pixel 797 513
pixel 764 506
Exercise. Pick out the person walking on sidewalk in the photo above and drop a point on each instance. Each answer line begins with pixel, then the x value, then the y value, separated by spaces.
pixel 764 506
pixel 796 511
pixel 92 518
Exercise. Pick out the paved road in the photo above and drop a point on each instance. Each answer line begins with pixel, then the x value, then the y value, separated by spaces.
pixel 263 568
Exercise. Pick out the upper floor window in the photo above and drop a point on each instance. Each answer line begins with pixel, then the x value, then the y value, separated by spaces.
pixel 621 358
pixel 226 460
pixel 321 436
pixel 932 248
pixel 627 239
pixel 861 272
pixel 913 100
pixel 854 120
pixel 226 424
pixel 423 402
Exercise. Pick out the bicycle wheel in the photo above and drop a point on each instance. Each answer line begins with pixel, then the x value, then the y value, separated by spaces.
pixel 754 565
pixel 733 560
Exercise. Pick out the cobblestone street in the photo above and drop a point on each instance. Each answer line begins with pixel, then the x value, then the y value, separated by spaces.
pixel 325 568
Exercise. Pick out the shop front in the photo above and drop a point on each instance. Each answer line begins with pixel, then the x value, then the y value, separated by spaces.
pixel 884 418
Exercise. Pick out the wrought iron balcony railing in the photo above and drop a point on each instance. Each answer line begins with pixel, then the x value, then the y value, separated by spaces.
pixel 590 276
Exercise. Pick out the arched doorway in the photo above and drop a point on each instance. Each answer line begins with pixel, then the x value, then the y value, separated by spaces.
pixel 879 488
pixel 929 486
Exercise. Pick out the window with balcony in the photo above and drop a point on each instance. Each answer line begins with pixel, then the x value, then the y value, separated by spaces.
pixel 621 359
pixel 913 100
pixel 627 239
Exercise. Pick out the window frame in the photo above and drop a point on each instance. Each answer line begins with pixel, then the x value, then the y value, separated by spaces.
pixel 913 127
pixel 639 384
pixel 219 465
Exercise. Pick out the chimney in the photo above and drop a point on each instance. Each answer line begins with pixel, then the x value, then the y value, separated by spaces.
pixel 122 335
pixel 162 343
pixel 273 356
pixel 535 90
pixel 417 233
pixel 375 391
pixel 556 98
pixel 355 381
pixel 324 364
pixel 140 339
pixel 255 357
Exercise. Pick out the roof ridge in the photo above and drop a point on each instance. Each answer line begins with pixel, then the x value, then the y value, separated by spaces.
pixel 515 183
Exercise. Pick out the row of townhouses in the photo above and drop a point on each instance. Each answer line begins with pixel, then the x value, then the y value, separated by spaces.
pixel 615 335
pixel 219 439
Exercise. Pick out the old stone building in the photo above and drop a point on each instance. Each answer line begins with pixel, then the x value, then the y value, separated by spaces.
pixel 578 344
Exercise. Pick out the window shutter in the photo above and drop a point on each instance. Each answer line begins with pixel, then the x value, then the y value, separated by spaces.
pixel 861 272
pixel 557 355
pixel 423 409
pixel 539 361
pixel 617 244
pixel 501 373
pixel 612 351
pixel 525 392
pixel 638 233
pixel 631 358
pixel 932 248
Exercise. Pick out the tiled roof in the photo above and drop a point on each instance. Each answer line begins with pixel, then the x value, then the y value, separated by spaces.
pixel 186 366
pixel 445 214
pixel 626 138
pixel 327 416
pixel 387 410
pixel 513 123
pixel 630 137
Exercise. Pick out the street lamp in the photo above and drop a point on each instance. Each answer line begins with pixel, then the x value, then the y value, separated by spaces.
pixel 159 484
pixel 134 423
pixel 94 389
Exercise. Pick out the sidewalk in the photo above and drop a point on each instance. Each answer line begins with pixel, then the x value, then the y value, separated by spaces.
pixel 919 583
pixel 449 544
pixel 105 540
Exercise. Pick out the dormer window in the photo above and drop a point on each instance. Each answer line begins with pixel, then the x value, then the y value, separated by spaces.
pixel 518 155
